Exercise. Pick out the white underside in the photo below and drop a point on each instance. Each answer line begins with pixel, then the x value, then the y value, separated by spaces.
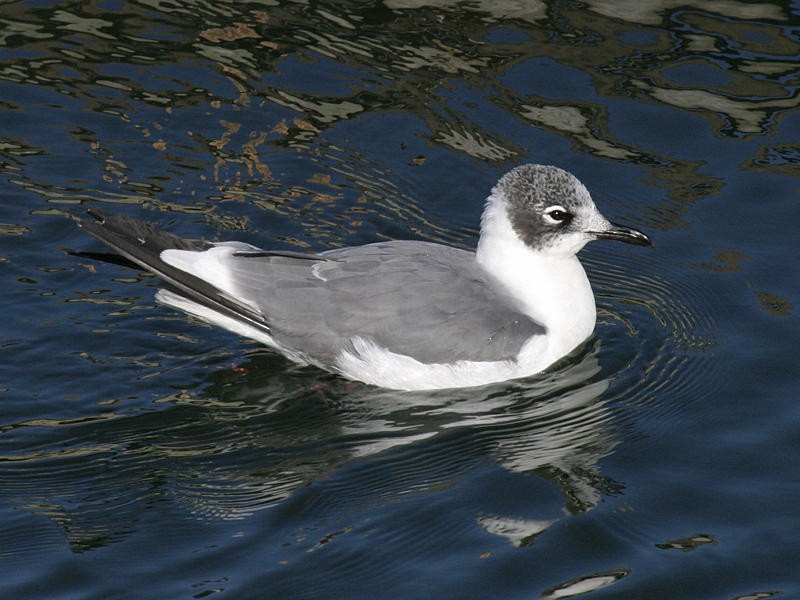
pixel 366 361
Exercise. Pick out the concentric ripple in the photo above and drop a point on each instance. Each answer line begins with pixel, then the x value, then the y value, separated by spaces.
pixel 659 330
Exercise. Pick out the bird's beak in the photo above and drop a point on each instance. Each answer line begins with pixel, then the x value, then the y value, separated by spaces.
pixel 624 234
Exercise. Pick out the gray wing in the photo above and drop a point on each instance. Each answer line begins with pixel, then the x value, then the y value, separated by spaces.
pixel 427 301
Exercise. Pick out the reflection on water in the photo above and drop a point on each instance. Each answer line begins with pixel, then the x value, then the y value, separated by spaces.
pixel 585 584
pixel 341 61
pixel 232 448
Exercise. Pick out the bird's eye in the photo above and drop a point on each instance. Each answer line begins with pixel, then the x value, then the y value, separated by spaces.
pixel 557 214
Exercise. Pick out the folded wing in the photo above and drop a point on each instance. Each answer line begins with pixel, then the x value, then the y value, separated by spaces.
pixel 424 300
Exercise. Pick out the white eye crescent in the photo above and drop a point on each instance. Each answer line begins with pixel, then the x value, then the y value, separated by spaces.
pixel 557 215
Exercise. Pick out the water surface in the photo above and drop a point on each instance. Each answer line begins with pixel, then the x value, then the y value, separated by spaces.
pixel 143 454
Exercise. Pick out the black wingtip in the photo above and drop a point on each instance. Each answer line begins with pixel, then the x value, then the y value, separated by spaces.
pixel 142 244
pixel 96 215
pixel 106 257
pixel 98 218
pixel 113 230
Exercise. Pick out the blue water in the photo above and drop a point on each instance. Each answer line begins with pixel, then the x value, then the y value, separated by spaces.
pixel 146 455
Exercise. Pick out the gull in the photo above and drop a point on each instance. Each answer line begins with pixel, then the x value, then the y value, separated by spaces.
pixel 407 315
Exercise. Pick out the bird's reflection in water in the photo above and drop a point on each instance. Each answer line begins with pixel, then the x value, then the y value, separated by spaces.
pixel 257 433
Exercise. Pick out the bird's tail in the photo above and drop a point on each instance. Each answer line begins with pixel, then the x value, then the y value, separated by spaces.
pixel 142 244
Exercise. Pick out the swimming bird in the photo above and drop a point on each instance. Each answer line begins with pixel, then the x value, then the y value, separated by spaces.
pixel 407 315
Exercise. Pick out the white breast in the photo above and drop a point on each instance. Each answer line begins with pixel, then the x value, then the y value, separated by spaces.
pixel 551 288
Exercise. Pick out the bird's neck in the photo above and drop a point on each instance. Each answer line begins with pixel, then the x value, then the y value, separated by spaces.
pixel 551 288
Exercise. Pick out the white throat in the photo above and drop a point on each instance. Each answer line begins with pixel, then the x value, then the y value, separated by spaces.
pixel 551 287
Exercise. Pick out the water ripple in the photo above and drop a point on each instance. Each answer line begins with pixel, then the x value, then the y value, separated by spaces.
pixel 659 324
pixel 224 453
